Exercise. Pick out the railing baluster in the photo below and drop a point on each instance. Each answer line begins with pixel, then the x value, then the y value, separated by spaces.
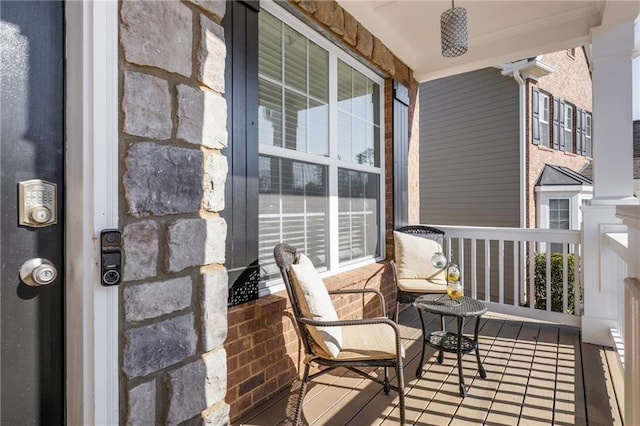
pixel 548 276
pixel 501 271
pixel 532 272
pixel 474 284
pixel 461 256
pixel 577 279
pixel 487 270
pixel 565 279
pixel 516 274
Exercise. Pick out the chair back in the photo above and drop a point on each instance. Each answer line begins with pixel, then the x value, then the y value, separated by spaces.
pixel 422 231
pixel 285 256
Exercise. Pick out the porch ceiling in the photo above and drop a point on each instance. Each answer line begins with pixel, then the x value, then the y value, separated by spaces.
pixel 499 31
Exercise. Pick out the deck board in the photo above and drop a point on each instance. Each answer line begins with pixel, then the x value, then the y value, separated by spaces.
pixel 536 374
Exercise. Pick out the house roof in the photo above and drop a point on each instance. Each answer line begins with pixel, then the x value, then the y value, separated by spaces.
pixel 560 175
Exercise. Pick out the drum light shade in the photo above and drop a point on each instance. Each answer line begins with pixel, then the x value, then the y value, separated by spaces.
pixel 453 31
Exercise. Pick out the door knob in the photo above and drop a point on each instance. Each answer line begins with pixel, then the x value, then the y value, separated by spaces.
pixel 37 272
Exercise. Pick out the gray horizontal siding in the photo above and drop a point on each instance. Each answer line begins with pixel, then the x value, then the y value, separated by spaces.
pixel 469 154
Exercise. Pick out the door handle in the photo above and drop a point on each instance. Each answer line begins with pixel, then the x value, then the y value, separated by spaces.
pixel 37 272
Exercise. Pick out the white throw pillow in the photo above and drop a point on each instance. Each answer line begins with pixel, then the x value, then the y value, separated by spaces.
pixel 413 257
pixel 315 303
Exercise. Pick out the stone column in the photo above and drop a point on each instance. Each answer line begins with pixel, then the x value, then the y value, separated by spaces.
pixel 174 294
pixel 612 48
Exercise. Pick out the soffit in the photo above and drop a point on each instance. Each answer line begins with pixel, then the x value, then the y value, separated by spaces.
pixel 499 31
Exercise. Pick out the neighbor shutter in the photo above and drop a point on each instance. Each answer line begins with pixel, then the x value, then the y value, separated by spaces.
pixel 557 129
pixel 535 125
pixel 579 132
pixel 240 25
pixel 561 142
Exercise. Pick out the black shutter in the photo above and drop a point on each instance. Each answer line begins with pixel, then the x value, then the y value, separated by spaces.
pixel 579 132
pixel 241 192
pixel 400 155
pixel 535 125
pixel 557 129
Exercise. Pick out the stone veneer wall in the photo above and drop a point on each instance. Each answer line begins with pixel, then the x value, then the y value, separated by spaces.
pixel 173 315
pixel 264 353
pixel 571 82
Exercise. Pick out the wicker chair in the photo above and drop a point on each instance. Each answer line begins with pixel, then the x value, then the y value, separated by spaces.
pixel 409 283
pixel 357 348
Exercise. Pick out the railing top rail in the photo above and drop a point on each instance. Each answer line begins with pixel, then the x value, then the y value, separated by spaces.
pixel 512 234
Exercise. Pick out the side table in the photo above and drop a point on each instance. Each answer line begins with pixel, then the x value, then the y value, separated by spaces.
pixel 448 341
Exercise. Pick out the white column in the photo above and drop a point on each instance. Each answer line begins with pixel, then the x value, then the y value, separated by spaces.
pixel 612 48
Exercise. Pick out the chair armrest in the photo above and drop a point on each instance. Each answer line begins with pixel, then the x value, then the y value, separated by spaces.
pixel 364 290
pixel 394 270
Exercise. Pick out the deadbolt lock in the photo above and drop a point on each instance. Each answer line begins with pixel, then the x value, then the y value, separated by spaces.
pixel 37 203
pixel 37 272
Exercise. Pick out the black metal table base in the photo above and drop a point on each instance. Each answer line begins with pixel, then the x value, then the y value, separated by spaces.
pixel 456 343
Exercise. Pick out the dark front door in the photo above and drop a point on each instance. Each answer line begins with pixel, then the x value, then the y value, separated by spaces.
pixel 32 149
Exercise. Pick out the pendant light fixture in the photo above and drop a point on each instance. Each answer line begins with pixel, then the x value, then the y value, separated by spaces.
pixel 453 31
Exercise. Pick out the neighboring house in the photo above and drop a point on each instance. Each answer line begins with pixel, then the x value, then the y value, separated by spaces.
pixel 502 147
pixel 491 140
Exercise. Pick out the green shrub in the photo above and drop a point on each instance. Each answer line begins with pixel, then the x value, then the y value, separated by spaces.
pixel 556 282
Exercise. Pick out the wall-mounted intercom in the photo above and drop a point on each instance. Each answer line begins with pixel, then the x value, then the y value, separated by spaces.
pixel 37 205
pixel 111 253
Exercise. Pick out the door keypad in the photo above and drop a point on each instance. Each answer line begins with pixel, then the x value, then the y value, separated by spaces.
pixel 37 206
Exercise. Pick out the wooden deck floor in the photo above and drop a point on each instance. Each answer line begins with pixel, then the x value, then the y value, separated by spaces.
pixel 537 374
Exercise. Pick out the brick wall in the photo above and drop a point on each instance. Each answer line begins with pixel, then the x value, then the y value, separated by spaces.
pixel 571 82
pixel 262 345
pixel 173 299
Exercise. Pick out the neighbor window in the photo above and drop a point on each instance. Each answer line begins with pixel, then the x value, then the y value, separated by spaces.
pixel 558 219
pixel 320 175
pixel 587 135
pixel 568 128
pixel 543 102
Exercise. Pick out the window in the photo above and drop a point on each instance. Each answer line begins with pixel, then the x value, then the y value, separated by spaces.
pixel 540 125
pixel 568 128
pixel 319 121
pixel 558 219
pixel 544 119
pixel 587 134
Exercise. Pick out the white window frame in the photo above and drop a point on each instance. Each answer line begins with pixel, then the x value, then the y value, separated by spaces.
pixel 544 141
pixel 577 194
pixel 335 53
pixel 568 127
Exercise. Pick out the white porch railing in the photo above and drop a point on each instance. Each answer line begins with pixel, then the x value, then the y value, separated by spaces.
pixel 514 271
pixel 625 245
pixel 613 271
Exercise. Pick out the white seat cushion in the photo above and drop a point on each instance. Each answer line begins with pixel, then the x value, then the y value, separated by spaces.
pixel 413 257
pixel 369 341
pixel 419 285
pixel 315 303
